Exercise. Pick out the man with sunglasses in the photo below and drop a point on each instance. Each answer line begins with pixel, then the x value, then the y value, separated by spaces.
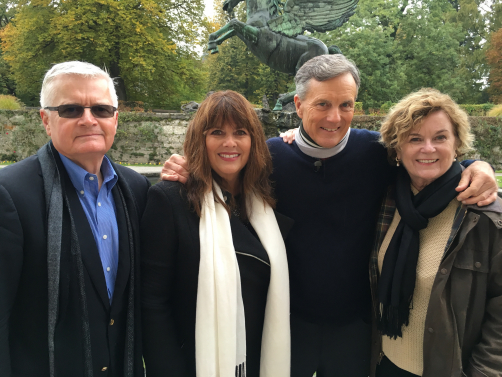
pixel 69 243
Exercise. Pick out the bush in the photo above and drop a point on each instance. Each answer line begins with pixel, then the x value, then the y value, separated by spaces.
pixel 8 102
pixel 374 112
pixel 358 108
pixel 496 111
pixel 131 106
pixel 384 109
pixel 477 110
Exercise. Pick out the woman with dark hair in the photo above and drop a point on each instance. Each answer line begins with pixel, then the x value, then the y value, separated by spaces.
pixel 215 287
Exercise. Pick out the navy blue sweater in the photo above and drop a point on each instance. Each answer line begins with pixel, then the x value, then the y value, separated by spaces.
pixel 335 211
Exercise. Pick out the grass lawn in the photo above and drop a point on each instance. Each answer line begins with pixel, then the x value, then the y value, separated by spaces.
pixel 499 181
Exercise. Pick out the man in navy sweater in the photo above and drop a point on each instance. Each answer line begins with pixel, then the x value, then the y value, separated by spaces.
pixel 331 181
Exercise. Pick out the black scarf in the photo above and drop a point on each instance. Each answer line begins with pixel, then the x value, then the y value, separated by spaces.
pixel 305 136
pixel 397 280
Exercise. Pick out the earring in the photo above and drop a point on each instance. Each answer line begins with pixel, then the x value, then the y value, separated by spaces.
pixel 455 158
pixel 397 161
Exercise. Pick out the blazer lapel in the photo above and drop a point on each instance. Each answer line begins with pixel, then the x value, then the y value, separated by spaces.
pixel 88 248
pixel 245 242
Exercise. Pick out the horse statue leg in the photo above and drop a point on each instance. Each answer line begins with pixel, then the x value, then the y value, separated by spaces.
pixel 289 97
pixel 234 27
pixel 284 99
pixel 315 49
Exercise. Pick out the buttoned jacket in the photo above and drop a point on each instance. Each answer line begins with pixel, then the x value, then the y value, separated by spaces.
pixel 463 325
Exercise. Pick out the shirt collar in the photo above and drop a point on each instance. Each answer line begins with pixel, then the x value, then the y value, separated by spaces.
pixel 78 175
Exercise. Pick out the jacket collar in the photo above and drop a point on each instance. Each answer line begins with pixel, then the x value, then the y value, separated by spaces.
pixel 493 211
pixel 495 207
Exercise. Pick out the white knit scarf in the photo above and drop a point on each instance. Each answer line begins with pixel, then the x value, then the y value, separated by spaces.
pixel 220 333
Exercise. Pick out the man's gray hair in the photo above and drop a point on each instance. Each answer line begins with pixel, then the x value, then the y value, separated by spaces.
pixel 84 69
pixel 322 68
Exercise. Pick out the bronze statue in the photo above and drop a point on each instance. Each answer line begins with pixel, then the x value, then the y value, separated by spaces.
pixel 274 31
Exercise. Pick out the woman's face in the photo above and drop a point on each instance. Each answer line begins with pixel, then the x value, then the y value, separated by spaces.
pixel 429 150
pixel 228 151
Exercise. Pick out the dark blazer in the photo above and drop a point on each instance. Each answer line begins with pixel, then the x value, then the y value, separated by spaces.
pixel 170 269
pixel 24 279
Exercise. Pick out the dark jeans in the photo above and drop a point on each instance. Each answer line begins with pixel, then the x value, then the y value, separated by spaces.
pixel 329 350
pixel 388 369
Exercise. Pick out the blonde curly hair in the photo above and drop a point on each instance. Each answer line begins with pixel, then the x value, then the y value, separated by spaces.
pixel 411 111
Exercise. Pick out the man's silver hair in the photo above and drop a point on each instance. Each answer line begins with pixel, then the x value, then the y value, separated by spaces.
pixel 322 68
pixel 88 70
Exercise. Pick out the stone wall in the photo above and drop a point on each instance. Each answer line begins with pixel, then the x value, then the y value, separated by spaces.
pixel 151 138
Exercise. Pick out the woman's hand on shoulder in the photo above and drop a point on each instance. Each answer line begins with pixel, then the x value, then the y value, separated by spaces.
pixel 288 136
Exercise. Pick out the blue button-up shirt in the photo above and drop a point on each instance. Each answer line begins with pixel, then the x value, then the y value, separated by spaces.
pixel 99 207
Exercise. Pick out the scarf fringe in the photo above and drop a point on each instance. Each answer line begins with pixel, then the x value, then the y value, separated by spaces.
pixel 240 370
pixel 393 318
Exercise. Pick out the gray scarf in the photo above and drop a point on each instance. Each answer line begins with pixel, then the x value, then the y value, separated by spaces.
pixel 55 200
pixel 308 146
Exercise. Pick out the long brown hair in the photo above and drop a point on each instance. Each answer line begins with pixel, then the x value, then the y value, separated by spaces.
pixel 215 111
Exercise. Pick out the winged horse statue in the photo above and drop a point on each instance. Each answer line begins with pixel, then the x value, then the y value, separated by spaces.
pixel 274 31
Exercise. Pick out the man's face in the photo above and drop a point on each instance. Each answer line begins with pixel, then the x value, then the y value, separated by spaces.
pixel 327 109
pixel 87 137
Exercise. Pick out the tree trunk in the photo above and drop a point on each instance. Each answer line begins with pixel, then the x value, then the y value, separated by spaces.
pixel 119 82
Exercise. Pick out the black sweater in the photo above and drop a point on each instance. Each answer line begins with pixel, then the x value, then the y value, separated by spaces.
pixel 335 210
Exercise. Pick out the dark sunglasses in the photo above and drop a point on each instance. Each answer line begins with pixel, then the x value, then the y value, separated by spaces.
pixel 76 111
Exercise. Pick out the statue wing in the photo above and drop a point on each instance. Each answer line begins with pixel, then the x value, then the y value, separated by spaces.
pixel 312 15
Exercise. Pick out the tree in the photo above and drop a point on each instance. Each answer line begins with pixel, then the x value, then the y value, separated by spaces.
pixel 7 83
pixel 494 58
pixel 472 68
pixel 137 41
pixel 403 45
pixel 427 46
pixel 368 39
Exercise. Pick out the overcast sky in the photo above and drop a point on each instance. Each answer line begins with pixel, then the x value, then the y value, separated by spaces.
pixel 209 11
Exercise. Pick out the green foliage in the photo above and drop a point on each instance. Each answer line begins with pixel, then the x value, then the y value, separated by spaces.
pixel 7 84
pixel 384 109
pixel 495 111
pixel 488 141
pixel 494 58
pixel 367 39
pixel 401 46
pixel 137 41
pixel 358 108
pixel 472 69
pixel 147 132
pixel 8 102
pixel 477 110
pixel 10 157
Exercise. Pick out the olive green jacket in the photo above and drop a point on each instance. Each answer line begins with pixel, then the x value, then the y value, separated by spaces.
pixel 463 327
